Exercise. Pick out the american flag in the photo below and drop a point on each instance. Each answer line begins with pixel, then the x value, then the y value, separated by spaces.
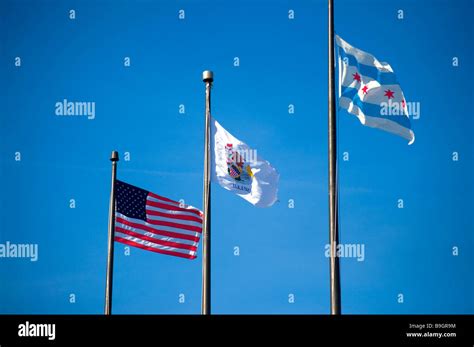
pixel 155 223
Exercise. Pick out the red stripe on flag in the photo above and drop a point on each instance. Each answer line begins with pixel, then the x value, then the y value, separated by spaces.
pixel 175 225
pixel 173 208
pixel 157 241
pixel 174 216
pixel 134 244
pixel 157 231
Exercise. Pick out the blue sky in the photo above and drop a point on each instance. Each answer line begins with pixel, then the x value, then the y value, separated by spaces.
pixel 408 251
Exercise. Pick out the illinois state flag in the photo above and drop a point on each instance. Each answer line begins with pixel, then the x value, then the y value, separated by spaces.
pixel 238 168
pixel 369 90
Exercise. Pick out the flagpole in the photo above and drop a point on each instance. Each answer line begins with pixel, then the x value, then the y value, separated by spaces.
pixel 114 158
pixel 208 78
pixel 335 286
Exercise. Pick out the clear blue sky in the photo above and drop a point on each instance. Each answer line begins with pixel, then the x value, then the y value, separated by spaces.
pixel 282 62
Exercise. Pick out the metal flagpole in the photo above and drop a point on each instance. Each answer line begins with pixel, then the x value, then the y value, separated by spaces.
pixel 114 158
pixel 335 286
pixel 208 78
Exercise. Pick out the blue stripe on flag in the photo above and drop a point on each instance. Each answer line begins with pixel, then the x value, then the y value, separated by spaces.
pixel 369 71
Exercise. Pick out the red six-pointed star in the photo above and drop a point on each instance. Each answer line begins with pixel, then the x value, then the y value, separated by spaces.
pixel 356 77
pixel 365 89
pixel 389 94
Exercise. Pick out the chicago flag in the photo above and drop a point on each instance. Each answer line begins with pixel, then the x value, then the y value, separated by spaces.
pixel 369 90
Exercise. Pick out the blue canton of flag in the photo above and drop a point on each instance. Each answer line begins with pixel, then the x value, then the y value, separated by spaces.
pixel 369 90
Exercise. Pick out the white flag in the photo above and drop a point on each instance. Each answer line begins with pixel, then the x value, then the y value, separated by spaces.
pixel 236 167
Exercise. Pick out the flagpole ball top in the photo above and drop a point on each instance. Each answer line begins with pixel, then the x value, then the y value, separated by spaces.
pixel 114 156
pixel 208 76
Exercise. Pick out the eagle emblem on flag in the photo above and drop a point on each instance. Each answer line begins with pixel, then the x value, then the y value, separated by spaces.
pixel 236 166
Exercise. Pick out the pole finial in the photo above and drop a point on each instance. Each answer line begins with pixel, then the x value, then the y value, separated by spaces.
pixel 207 76
pixel 114 156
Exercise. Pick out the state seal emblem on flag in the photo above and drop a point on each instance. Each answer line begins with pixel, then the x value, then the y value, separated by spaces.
pixel 236 166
